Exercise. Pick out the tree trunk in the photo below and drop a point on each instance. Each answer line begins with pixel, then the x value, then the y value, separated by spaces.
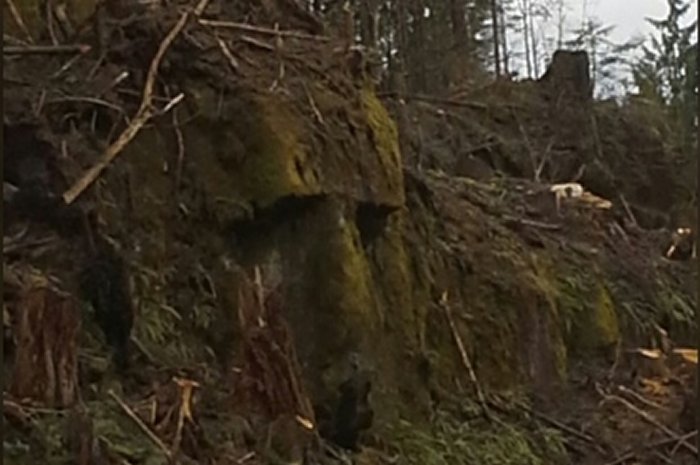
pixel 367 14
pixel 525 12
pixel 496 46
pixel 416 60
pixel 459 23
pixel 504 40
pixel 402 46
pixel 533 39
pixel 560 24
pixel 46 364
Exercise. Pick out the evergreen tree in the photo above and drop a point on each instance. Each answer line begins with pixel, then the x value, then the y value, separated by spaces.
pixel 667 72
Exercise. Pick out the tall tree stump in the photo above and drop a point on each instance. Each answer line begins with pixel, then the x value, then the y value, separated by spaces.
pixel 47 325
pixel 568 75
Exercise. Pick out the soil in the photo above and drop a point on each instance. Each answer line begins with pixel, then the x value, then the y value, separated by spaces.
pixel 280 263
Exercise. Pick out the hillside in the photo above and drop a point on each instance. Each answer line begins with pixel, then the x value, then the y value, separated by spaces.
pixel 282 264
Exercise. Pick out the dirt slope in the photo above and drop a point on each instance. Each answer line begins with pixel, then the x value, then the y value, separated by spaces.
pixel 270 238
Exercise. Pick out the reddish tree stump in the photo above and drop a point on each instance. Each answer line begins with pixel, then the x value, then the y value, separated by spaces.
pixel 46 364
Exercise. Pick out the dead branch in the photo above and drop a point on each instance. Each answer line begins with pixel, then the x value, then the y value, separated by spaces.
pixel 257 43
pixel 93 100
pixel 68 64
pixel 543 161
pixel 312 104
pixel 144 113
pixel 648 418
pixel 640 398
pixel 130 413
pixel 685 437
pixel 263 30
pixel 186 386
pixel 44 49
pixel 50 21
pixel 463 354
pixel 17 18
pixel 437 100
pixel 626 205
pixel 15 410
pixel 565 428
pixel 532 223
pixel 180 150
pixel 227 53
pixel 630 454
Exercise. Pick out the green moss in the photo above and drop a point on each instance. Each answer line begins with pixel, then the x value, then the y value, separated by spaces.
pixel 345 276
pixel 386 141
pixel 394 278
pixel 250 148
pixel 340 285
pixel 543 279
pixel 605 318
pixel 596 327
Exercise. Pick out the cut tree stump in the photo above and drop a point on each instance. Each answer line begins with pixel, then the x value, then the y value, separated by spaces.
pixel 568 75
pixel 46 364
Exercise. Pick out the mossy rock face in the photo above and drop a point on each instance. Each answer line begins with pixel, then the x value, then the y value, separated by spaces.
pixel 385 138
pixel 271 151
pixel 594 326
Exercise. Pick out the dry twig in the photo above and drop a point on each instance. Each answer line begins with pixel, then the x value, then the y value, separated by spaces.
pixel 17 17
pixel 144 113
pixel 262 30
pixel 567 429
pixel 151 435
pixel 628 210
pixel 257 43
pixel 648 418
pixel 436 100
pixel 630 454
pixel 180 140
pixel 533 223
pixel 44 49
pixel 640 398
pixel 185 412
pixel 50 21
pixel 227 53
pixel 463 354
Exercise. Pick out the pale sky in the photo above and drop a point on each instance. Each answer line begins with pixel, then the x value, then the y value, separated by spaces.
pixel 627 15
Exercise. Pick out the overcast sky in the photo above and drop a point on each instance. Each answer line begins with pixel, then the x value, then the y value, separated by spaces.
pixel 627 15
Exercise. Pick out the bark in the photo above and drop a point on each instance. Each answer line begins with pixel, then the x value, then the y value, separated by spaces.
pixel 416 61
pixel 496 45
pixel 525 13
pixel 533 47
pixel 46 368
pixel 504 40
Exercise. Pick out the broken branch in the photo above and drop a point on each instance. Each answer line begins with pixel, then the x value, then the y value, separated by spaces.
pixel 463 354
pixel 144 113
pixel 17 17
pixel 130 413
pixel 649 419
pixel 44 49
pixel 227 53
pixel 262 30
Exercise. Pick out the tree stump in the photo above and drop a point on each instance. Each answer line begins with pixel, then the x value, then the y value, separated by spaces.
pixel 568 75
pixel 46 365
